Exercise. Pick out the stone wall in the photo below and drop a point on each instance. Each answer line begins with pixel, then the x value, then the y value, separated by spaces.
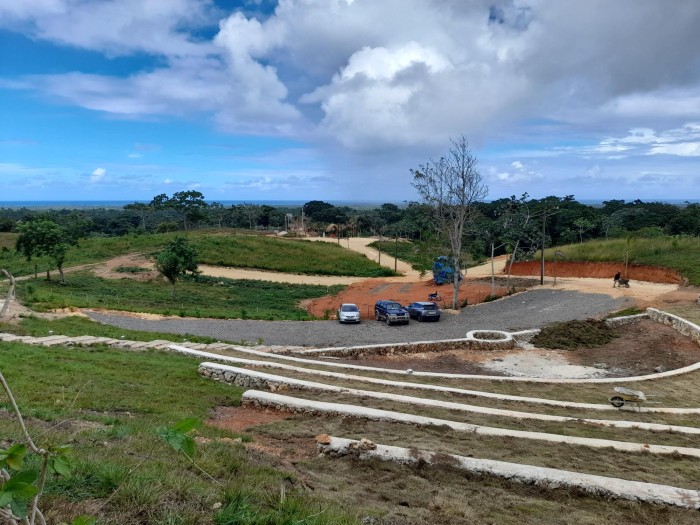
pixel 625 319
pixel 686 328
pixel 410 348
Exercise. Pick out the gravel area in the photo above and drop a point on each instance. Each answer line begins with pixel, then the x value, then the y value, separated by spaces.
pixel 531 309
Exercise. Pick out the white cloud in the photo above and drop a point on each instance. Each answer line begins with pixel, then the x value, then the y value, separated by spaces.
pixel 683 141
pixel 517 165
pixel 682 149
pixel 390 77
pixel 97 175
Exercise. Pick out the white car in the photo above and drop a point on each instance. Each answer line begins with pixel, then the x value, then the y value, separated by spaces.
pixel 348 313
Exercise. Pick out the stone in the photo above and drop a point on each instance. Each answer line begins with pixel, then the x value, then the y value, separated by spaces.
pixel 323 439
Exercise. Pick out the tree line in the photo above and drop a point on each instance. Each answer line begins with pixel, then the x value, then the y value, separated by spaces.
pixel 568 220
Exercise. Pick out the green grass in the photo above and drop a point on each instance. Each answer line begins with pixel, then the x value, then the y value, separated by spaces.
pixel 107 405
pixel 216 248
pixel 75 326
pixel 421 255
pixel 677 253
pixel 205 297
pixel 286 255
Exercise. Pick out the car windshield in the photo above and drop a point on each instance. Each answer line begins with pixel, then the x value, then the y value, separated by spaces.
pixel 429 307
pixel 348 308
pixel 393 306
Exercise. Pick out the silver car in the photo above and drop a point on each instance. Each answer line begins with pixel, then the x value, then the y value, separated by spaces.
pixel 348 313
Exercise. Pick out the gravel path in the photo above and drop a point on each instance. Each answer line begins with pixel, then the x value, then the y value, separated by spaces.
pixel 530 309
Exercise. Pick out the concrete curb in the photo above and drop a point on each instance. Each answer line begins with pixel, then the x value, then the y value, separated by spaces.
pixel 293 404
pixel 600 486
pixel 258 380
pixel 432 388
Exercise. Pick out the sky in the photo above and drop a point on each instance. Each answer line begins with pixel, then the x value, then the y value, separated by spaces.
pixel 338 100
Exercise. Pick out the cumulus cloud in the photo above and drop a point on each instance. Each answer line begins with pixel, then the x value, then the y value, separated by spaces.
pixel 397 77
pixel 98 174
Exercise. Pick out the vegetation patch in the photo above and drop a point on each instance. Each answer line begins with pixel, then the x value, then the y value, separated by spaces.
pixel 217 298
pixel 108 404
pixel 285 255
pixel 217 248
pixel 76 326
pixel 131 269
pixel 625 312
pixel 571 335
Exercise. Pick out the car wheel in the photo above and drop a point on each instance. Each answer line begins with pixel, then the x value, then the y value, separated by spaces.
pixel 388 323
pixel 419 318
pixel 376 316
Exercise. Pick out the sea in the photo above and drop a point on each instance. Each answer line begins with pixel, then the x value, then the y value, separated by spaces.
pixel 78 204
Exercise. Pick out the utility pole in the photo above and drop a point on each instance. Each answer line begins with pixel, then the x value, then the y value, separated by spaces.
pixel 544 222
pixel 396 252
pixel 554 211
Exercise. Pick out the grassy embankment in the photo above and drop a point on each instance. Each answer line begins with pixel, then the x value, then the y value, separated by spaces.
pixel 677 253
pixel 217 298
pixel 107 404
pixel 221 248
pixel 421 255
pixel 204 297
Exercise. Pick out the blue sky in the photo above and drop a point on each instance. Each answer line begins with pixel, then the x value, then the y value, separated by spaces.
pixel 339 99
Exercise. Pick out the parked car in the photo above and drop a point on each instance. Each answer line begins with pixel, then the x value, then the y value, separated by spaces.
pixel 391 312
pixel 348 313
pixel 424 311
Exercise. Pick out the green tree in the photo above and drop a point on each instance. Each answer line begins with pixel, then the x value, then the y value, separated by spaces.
pixel 189 204
pixel 142 209
pixel 178 258
pixel 45 238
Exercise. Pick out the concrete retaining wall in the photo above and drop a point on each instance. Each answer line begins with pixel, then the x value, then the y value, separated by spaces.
pixel 549 478
pixel 307 406
pixel 625 319
pixel 261 380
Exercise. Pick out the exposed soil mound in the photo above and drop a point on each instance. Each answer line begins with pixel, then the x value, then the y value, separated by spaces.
pixel 574 334
pixel 364 294
pixel 598 270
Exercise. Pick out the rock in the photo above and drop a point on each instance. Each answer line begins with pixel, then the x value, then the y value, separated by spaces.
pixel 600 366
pixel 323 439
pixel 659 369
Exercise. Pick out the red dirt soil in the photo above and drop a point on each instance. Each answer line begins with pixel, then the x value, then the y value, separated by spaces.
pixel 364 294
pixel 598 270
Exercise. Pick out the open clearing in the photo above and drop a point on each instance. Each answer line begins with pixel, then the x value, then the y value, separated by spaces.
pixel 383 493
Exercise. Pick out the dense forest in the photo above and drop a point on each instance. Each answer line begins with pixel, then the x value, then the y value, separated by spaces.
pixel 497 225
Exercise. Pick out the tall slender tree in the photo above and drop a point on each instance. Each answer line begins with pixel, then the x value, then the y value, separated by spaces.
pixel 452 186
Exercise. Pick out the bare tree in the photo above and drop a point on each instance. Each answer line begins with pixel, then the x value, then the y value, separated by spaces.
pixel 452 186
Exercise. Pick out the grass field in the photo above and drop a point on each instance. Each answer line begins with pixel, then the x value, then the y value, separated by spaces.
pixel 75 326
pixel 107 404
pixel 678 253
pixel 217 298
pixel 420 255
pixel 114 399
pixel 214 247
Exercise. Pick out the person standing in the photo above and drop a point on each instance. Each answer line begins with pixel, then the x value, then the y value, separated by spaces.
pixel 616 280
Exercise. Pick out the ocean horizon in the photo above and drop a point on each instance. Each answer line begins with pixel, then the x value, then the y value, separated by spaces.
pixel 76 204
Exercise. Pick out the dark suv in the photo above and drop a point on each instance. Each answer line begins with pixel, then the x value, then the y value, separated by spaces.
pixel 391 312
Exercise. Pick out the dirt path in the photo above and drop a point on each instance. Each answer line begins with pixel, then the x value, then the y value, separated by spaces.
pixel 277 277
pixel 410 287
pixel 361 245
